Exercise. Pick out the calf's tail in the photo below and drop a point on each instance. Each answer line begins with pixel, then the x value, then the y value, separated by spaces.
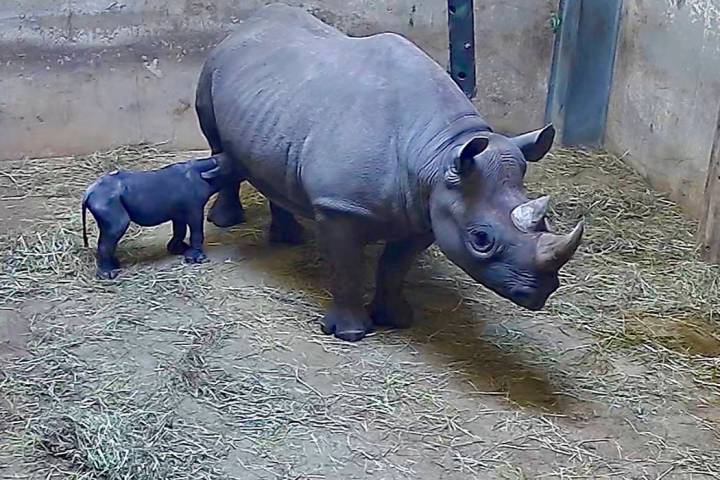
pixel 84 220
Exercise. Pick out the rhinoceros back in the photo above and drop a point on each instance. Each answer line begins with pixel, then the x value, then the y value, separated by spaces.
pixel 318 118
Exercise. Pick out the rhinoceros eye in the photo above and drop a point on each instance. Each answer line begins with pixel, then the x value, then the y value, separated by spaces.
pixel 483 242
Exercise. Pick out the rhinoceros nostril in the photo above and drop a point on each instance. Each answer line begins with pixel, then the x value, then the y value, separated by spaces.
pixel 528 297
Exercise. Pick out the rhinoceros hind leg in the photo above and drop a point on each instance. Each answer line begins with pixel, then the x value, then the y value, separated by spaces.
pixel 389 308
pixel 284 228
pixel 227 209
pixel 393 312
pixel 346 318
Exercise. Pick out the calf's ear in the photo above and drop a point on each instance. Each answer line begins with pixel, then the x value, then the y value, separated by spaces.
pixel 536 144
pixel 210 174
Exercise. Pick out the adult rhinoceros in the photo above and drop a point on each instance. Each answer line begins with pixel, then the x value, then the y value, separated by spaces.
pixel 374 141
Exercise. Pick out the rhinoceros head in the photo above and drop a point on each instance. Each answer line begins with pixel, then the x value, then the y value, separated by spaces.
pixel 484 223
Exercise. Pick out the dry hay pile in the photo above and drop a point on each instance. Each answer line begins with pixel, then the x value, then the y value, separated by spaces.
pixel 216 382
pixel 641 282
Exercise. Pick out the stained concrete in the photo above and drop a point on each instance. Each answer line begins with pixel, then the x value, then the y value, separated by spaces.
pixel 666 93
pixel 93 74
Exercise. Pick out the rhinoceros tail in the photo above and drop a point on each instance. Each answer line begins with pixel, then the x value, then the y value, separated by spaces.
pixel 206 111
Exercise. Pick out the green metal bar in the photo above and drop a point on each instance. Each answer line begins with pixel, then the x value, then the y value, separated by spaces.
pixel 461 27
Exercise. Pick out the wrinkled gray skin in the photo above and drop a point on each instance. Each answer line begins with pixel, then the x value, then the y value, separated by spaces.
pixel 176 193
pixel 373 140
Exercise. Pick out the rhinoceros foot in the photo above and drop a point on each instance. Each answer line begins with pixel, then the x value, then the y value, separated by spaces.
pixel 177 247
pixel 394 312
pixel 346 324
pixel 194 255
pixel 226 213
pixel 107 274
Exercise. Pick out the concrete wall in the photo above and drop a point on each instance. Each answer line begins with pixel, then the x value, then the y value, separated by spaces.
pixel 666 93
pixel 82 75
pixel 514 43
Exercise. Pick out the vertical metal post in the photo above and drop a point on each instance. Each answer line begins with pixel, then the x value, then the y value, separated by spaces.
pixel 581 79
pixel 709 228
pixel 461 27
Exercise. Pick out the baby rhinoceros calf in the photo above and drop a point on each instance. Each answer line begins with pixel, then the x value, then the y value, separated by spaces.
pixel 176 193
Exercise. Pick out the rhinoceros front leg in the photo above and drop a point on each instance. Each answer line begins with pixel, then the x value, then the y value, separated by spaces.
pixel 343 248
pixel 389 308
pixel 227 209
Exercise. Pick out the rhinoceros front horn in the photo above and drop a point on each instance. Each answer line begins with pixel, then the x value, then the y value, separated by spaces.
pixel 554 251
pixel 527 217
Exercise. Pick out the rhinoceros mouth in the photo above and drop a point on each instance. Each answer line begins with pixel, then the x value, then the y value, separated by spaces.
pixel 532 303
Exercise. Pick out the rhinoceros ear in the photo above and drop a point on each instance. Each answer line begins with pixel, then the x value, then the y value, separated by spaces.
pixel 535 145
pixel 464 159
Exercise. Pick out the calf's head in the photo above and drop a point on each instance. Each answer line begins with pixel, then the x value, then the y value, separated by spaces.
pixel 484 223
pixel 216 171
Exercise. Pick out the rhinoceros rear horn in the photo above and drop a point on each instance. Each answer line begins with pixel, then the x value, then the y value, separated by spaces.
pixel 535 145
pixel 528 216
pixel 554 251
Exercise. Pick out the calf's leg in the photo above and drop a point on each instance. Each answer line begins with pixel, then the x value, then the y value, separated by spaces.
pixel 195 253
pixel 227 209
pixel 284 228
pixel 346 318
pixel 389 308
pixel 177 245
pixel 113 222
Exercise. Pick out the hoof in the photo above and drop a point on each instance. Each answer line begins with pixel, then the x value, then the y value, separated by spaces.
pixel 195 256
pixel 346 325
pixel 107 274
pixel 287 235
pixel 224 217
pixel 395 314
pixel 177 248
pixel 346 335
